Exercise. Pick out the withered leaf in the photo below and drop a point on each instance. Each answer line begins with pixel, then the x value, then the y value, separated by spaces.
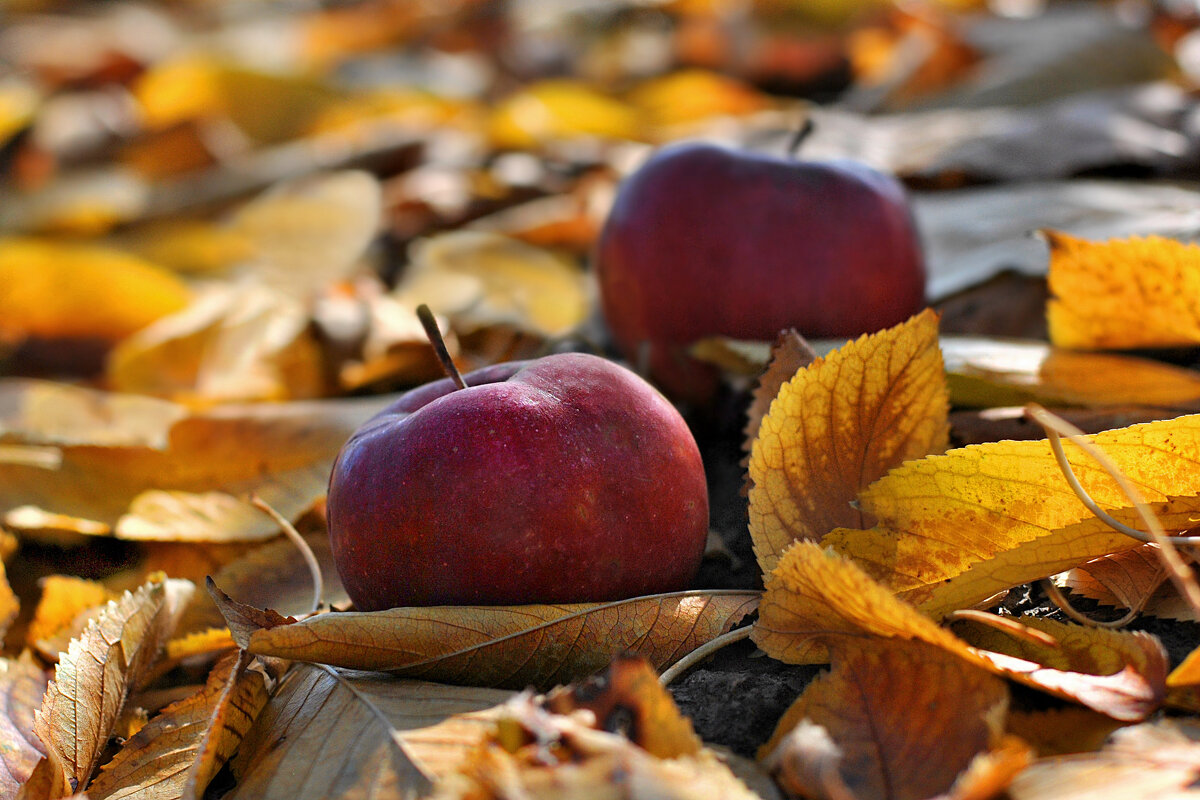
pixel 331 734
pixel 507 646
pixel 815 598
pixel 1126 579
pixel 22 684
pixel 1058 731
pixel 789 354
pixel 906 718
pixel 177 753
pixel 84 701
pixel 840 423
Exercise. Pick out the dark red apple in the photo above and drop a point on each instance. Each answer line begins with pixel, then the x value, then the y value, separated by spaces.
pixel 565 479
pixel 704 241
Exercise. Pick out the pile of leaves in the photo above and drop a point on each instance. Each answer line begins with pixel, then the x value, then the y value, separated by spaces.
pixel 216 222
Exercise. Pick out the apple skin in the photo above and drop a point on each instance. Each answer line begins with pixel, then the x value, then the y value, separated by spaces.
pixel 704 241
pixel 564 479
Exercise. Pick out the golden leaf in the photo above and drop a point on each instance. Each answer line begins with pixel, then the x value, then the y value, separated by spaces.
pixel 989 372
pixel 694 95
pixel 9 604
pixel 815 599
pixel 559 109
pixel 906 717
pixel 839 424
pixel 58 290
pixel 507 646
pixel 194 483
pixel 327 734
pixel 483 279
pixel 1123 294
pixel 177 753
pixel 22 684
pixel 790 353
pixel 63 599
pixel 939 516
pixel 84 701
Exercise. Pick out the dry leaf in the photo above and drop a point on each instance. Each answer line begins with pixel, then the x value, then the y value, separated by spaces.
pixel 1126 579
pixel 694 95
pixel 22 684
pixel 941 515
pixel 480 280
pixel 194 483
pixel 1153 760
pixel 177 753
pixel 988 372
pixel 839 424
pixel 508 646
pixel 64 290
pixel 1059 731
pixel 84 701
pixel 64 598
pixel 789 354
pixel 906 719
pixel 1123 294
pixel 815 598
pixel 327 734
pixel 560 109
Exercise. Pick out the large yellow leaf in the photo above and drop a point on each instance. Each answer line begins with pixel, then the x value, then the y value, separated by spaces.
pixel 58 289
pixel 1127 293
pixel 939 516
pixel 84 701
pixel 816 599
pixel 328 734
pixel 507 646
pixel 906 717
pixel 177 753
pixel 840 423
pixel 185 476
pixel 22 684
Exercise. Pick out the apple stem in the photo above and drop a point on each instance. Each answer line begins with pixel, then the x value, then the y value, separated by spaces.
pixel 802 133
pixel 439 345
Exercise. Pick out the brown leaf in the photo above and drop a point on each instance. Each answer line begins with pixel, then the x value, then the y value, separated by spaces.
pixel 1125 579
pixel 837 426
pixel 177 753
pixel 84 701
pixel 328 734
pixel 1058 731
pixel 508 646
pixel 905 717
pixel 22 683
pixel 790 353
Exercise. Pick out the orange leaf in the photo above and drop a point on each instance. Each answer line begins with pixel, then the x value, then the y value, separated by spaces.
pixel 839 424
pixel 558 109
pixel 1123 294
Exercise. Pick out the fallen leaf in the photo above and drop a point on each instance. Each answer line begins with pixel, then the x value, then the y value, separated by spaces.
pixel 840 423
pixel 177 753
pixel 1127 579
pixel 906 719
pixel 560 109
pixel 790 353
pixel 84 701
pixel 55 289
pixel 1059 731
pixel 507 646
pixel 189 246
pixel 9 604
pixel 694 95
pixel 22 684
pixel 331 734
pixel 63 599
pixel 192 482
pixel 1123 294
pixel 481 280
pixel 1158 759
pixel 815 598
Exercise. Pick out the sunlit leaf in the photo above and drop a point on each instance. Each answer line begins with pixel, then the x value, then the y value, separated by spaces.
pixel 63 599
pixel 1122 294
pixel 840 423
pixel 177 753
pixel 507 646
pixel 693 95
pixel 558 109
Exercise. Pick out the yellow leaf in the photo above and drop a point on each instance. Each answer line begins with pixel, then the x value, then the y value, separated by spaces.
pixel 176 754
pixel 840 423
pixel 22 684
pixel 693 95
pixel 9 605
pixel 84 701
pixel 56 289
pixel 18 104
pixel 816 600
pixel 559 109
pixel 64 598
pixel 484 279
pixel 1123 294
pixel 789 354
pixel 987 373
pixel 906 718
pixel 939 516
pixel 507 646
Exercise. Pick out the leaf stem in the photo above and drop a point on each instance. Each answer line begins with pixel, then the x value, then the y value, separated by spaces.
pixel 314 568
pixel 702 652
pixel 1178 570
pixel 439 345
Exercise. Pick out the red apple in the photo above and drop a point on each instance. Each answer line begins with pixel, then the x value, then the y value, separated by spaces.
pixel 565 479
pixel 705 241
